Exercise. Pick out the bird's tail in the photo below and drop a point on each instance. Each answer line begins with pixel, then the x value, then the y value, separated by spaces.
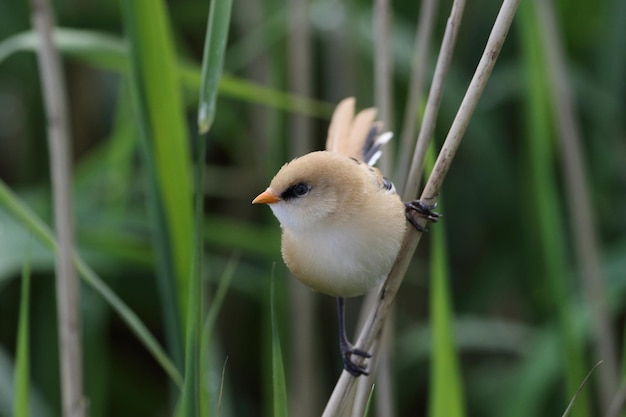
pixel 360 137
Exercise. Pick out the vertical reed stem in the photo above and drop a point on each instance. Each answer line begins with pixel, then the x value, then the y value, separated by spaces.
pixel 67 294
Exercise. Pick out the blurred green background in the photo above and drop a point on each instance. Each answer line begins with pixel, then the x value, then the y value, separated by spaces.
pixel 522 328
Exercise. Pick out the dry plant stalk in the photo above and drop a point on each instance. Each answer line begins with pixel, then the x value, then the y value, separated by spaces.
pixel 577 193
pixel 618 403
pixel 383 72
pixel 381 367
pixel 389 289
pixel 421 51
pixel 60 165
pixel 304 360
pixel 434 99
pixel 383 97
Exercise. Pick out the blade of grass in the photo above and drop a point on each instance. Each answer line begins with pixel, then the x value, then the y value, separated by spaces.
pixel 212 64
pixel 213 61
pixel 582 384
pixel 578 197
pixel 42 232
pixel 22 356
pixel 97 48
pixel 446 393
pixel 159 111
pixel 155 74
pixel 207 331
pixel 111 53
pixel 547 206
pixel 278 371
pixel 221 393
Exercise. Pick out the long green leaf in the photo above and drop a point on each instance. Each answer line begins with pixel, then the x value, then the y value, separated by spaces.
pixel 22 360
pixel 42 232
pixel 111 53
pixel 213 61
pixel 98 48
pixel 446 393
pixel 162 119
pixel 548 208
pixel 212 64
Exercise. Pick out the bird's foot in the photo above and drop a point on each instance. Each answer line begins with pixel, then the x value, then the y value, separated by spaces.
pixel 423 210
pixel 347 350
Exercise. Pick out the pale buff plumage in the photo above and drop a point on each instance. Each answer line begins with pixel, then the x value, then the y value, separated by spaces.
pixel 342 221
pixel 342 236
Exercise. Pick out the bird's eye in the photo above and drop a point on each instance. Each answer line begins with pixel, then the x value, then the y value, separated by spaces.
pixel 296 191
pixel 300 189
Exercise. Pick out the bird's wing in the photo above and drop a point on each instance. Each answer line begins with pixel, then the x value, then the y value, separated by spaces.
pixel 359 136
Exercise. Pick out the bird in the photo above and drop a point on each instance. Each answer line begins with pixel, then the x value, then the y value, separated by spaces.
pixel 342 221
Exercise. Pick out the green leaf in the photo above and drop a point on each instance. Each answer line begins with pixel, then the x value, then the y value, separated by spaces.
pixel 162 120
pixel 551 244
pixel 97 48
pixel 22 361
pixel 42 232
pixel 212 64
pixel 446 393
pixel 213 61
pixel 111 53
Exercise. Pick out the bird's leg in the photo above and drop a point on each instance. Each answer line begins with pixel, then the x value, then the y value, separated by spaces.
pixel 423 210
pixel 347 349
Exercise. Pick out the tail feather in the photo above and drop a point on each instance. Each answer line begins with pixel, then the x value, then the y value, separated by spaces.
pixel 360 136
pixel 373 148
pixel 340 124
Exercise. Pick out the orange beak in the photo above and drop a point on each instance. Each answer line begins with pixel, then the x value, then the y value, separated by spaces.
pixel 266 197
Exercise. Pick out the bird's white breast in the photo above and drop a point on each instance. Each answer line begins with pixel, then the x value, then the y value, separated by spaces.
pixel 342 260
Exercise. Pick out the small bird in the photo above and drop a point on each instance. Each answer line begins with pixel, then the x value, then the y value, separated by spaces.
pixel 342 221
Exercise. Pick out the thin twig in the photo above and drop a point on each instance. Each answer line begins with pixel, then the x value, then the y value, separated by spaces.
pixel 53 85
pixel 421 52
pixel 434 99
pixel 453 140
pixel 579 202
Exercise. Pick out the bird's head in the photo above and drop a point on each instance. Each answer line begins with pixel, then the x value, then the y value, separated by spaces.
pixel 319 186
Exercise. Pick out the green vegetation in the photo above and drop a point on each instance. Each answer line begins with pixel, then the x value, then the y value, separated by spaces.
pixel 186 307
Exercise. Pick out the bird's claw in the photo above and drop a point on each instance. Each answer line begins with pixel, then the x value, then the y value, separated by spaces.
pixel 423 209
pixel 353 368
